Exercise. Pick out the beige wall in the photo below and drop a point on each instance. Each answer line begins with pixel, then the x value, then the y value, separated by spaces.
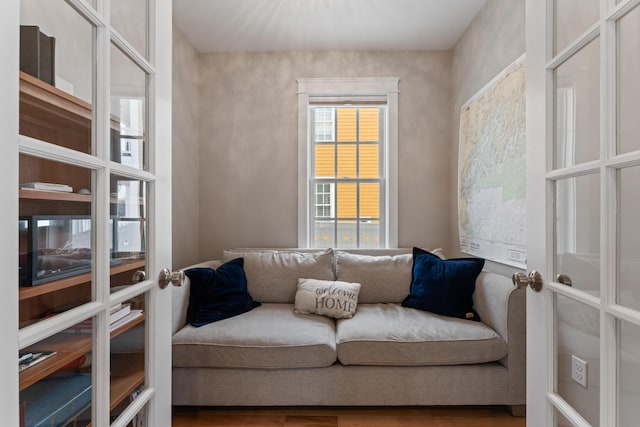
pixel 248 143
pixel 185 165
pixel 494 40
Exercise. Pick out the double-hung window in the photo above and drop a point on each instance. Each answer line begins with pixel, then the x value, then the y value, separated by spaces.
pixel 347 177
pixel 348 163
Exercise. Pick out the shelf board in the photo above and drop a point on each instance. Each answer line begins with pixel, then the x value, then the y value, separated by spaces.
pixel 36 93
pixel 68 347
pixel 26 292
pixel 26 193
pixel 127 374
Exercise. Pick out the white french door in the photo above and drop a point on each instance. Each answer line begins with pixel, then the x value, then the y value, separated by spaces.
pixel 583 167
pixel 86 105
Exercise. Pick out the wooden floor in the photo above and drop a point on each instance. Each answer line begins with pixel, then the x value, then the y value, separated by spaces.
pixel 346 417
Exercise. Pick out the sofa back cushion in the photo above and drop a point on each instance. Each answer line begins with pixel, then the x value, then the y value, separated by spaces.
pixel 384 278
pixel 272 274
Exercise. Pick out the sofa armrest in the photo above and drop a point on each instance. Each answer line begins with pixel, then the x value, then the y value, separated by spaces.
pixel 180 298
pixel 502 306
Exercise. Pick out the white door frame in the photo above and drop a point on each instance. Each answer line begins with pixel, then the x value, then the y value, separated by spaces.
pixel 541 176
pixel 9 34
pixel 157 396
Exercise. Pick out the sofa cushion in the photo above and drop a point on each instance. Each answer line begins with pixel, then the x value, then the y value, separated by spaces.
pixel 327 297
pixel 217 294
pixel 443 286
pixel 384 278
pixel 272 275
pixel 270 336
pixel 392 335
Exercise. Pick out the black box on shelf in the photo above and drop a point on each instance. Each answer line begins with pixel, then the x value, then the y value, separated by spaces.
pixel 54 247
pixel 37 53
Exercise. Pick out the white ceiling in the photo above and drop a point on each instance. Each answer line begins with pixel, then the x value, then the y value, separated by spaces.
pixel 279 25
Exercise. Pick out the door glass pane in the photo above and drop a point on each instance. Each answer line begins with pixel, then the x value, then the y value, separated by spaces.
pixel 577 231
pixel 55 378
pixel 129 214
pixel 629 236
pixel 55 238
pixel 578 340
pixel 127 355
pixel 628 86
pixel 572 19
pixel 629 374
pixel 129 18
pixel 577 108
pixel 561 420
pixel 128 112
pixel 56 63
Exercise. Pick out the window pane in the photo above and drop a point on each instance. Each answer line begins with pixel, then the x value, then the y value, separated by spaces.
pixel 577 334
pixel 347 161
pixel 577 231
pixel 369 201
pixel 628 85
pixel 127 357
pixel 369 124
pixel 629 371
pixel 571 21
pixel 325 161
pixel 128 112
pixel 629 236
pixel 346 200
pixel 129 18
pixel 347 124
pixel 68 355
pixel 128 211
pixel 347 234
pixel 323 201
pixel 560 420
pixel 55 238
pixel 324 124
pixel 577 127
pixel 56 79
pixel 369 161
pixel 324 232
pixel 370 232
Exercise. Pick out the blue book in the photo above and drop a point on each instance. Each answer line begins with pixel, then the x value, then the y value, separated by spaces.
pixel 53 401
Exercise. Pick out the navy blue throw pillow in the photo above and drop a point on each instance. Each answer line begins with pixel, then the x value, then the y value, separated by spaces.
pixel 218 294
pixel 443 286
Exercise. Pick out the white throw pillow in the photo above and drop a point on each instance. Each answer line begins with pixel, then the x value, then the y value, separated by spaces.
pixel 326 297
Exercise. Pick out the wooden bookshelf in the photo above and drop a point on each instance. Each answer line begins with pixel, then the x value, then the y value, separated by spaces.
pixel 69 346
pixel 56 117
pixel 26 292
pixel 127 375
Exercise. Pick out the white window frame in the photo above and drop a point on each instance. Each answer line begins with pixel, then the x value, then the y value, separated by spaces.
pixel 341 89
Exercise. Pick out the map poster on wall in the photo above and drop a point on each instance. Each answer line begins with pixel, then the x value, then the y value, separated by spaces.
pixel 491 170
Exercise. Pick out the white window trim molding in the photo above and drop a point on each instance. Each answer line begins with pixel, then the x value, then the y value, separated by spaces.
pixel 312 88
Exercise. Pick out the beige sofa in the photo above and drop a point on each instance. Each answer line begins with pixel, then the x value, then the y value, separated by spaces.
pixel 385 354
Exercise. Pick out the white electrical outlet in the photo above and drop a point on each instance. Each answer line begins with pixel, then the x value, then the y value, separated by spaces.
pixel 579 370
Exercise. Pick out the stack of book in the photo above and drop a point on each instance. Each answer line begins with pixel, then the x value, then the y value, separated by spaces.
pixel 46 186
pixel 120 314
pixel 27 359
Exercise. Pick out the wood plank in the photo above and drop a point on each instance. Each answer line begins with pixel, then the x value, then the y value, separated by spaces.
pixel 459 416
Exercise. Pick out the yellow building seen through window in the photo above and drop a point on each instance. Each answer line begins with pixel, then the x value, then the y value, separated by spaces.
pixel 348 178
